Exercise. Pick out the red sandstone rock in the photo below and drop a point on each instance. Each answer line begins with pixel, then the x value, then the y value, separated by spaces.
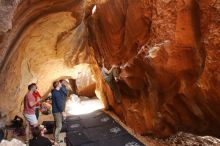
pixel 168 50
pixel 165 77
pixel 88 91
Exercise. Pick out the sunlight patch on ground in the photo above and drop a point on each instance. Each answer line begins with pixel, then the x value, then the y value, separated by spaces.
pixel 82 105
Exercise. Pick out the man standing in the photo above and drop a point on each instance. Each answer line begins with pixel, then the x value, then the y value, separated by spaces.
pixel 37 97
pixel 57 109
pixel 29 111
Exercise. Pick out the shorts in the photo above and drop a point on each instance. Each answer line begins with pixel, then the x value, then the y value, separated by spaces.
pixel 32 119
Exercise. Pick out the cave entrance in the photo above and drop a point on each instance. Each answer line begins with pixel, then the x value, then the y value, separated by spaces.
pixel 82 98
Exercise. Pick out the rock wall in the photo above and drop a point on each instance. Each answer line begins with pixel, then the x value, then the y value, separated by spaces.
pixel 44 44
pixel 167 51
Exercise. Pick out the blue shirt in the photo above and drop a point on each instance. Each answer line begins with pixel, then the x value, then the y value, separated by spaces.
pixel 57 101
pixel 63 91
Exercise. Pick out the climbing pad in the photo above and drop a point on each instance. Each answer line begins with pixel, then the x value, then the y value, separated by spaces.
pixel 97 129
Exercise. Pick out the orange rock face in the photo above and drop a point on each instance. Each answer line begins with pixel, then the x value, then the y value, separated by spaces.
pixel 167 51
pixel 168 56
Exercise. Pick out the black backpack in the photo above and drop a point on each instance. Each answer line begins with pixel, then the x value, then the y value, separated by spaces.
pixel 17 122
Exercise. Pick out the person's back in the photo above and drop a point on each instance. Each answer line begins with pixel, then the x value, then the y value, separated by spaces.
pixel 115 72
pixel 40 141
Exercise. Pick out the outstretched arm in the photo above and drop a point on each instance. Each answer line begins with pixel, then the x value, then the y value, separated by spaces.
pixel 64 90
pixel 108 71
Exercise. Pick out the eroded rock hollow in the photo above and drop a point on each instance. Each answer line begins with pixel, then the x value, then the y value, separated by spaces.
pixel 168 51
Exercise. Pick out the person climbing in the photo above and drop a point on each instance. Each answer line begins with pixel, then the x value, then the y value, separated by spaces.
pixel 29 111
pixel 38 138
pixel 57 109
pixel 111 77
pixel 37 97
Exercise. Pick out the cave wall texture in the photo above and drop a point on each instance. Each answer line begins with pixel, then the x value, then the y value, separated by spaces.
pixel 168 51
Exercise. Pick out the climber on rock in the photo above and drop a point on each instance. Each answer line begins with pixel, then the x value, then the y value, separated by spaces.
pixel 111 77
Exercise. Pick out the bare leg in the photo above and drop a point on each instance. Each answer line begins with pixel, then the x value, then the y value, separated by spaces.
pixel 27 132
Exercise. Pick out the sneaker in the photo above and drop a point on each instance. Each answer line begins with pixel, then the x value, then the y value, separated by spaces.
pixel 41 127
pixel 26 141
pixel 60 141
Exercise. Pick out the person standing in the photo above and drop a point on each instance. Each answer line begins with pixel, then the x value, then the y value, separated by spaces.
pixel 29 111
pixel 57 109
pixel 37 97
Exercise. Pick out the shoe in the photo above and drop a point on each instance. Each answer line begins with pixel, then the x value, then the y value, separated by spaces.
pixel 41 127
pixel 26 141
pixel 60 141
